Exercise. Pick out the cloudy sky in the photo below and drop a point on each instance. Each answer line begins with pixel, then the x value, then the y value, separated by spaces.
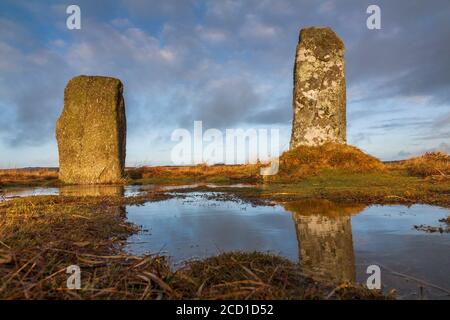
pixel 226 62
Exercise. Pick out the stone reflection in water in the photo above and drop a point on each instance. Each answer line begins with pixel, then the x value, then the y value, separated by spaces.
pixel 324 235
pixel 92 191
pixel 95 191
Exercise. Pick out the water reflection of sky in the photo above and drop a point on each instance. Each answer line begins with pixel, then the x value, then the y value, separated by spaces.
pixel 335 241
pixel 97 190
pixel 399 219
pixel 186 229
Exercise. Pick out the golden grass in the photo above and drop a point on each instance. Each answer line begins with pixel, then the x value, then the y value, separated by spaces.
pixel 294 165
pixel 324 207
pixel 305 161
pixel 432 165
pixel 386 187
pixel 240 275
pixel 201 172
pixel 30 177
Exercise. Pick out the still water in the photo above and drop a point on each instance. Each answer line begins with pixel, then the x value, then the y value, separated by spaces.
pixel 96 190
pixel 88 190
pixel 333 241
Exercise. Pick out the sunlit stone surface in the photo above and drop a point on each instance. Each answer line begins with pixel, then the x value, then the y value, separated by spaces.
pixel 319 97
pixel 91 131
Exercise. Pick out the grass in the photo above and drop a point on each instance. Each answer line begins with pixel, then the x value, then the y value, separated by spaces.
pixel 306 161
pixel 198 173
pixel 28 177
pixel 335 172
pixel 239 275
pixel 368 188
pixel 294 165
pixel 332 171
pixel 42 236
pixel 433 165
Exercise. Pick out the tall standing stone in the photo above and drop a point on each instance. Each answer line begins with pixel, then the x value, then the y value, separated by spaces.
pixel 91 131
pixel 319 96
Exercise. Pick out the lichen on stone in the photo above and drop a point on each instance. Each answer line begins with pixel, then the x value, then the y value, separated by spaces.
pixel 319 96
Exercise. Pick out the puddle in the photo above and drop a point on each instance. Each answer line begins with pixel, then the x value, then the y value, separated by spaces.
pixel 88 190
pixel 333 241
pixel 99 190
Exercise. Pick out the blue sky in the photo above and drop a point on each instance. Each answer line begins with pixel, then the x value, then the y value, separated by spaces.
pixel 227 63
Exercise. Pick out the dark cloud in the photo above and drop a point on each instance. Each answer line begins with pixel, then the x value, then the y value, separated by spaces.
pixel 442 122
pixel 225 62
pixel 408 56
pixel 279 113
pixel 396 124
pixel 272 116
pixel 435 136
pixel 225 102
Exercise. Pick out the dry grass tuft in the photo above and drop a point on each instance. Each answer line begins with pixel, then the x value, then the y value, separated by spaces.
pixel 304 161
pixel 239 275
pixel 434 165
pixel 42 236
pixel 28 177
pixel 198 173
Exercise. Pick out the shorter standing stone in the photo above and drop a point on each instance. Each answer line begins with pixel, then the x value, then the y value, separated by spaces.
pixel 91 131
pixel 319 98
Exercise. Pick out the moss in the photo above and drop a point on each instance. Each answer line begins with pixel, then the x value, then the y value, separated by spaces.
pixel 323 39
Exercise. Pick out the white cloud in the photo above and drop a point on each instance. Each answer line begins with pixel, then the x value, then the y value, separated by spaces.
pixel 254 28
pixel 211 35
pixel 327 7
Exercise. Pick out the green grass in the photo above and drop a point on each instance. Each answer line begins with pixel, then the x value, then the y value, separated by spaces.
pixel 376 187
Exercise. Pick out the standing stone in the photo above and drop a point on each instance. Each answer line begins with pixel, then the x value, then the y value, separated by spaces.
pixel 319 89
pixel 91 131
